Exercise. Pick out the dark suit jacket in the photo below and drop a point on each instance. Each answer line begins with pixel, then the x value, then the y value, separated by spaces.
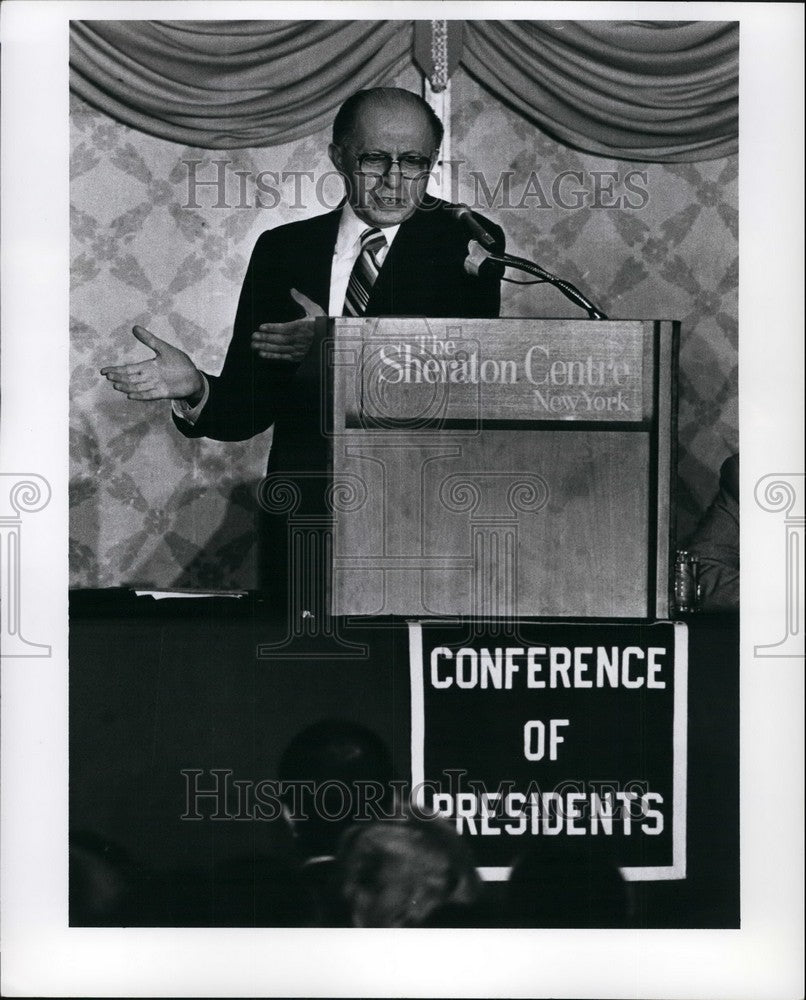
pixel 716 543
pixel 422 275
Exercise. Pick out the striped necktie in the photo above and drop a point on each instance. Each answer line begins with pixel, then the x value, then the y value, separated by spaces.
pixel 365 271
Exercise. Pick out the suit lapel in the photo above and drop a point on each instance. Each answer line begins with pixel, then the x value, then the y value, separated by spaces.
pixel 408 266
pixel 313 258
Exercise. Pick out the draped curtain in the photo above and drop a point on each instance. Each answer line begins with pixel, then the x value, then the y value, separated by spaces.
pixel 655 91
pixel 651 91
pixel 231 84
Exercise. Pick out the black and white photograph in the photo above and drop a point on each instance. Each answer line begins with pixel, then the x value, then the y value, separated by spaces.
pixel 393 490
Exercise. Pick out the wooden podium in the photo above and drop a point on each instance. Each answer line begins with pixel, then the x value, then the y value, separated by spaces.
pixel 501 468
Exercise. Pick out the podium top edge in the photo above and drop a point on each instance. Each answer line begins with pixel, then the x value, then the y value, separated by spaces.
pixel 495 319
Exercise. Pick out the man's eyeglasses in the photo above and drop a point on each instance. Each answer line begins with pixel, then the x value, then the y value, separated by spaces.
pixel 378 164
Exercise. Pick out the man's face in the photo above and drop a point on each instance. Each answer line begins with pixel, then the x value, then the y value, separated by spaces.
pixel 382 197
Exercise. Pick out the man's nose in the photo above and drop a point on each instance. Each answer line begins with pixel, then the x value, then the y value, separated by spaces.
pixel 394 175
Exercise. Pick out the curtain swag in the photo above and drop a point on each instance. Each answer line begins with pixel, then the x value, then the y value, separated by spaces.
pixel 660 92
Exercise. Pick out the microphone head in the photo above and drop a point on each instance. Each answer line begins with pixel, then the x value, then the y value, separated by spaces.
pixel 460 210
pixel 477 231
pixel 477 256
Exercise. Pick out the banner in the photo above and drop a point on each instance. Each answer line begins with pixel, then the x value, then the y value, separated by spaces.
pixel 527 730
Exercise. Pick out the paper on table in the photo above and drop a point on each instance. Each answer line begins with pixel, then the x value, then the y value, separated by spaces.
pixel 160 595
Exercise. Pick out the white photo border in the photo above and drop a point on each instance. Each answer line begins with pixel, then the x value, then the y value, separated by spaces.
pixel 42 955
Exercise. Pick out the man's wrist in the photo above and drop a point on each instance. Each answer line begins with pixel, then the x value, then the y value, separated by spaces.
pixel 193 400
pixel 190 408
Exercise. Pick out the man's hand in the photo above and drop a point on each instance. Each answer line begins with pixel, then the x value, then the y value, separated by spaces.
pixel 287 341
pixel 169 375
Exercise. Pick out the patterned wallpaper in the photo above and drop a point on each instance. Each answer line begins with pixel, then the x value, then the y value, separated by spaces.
pixel 150 508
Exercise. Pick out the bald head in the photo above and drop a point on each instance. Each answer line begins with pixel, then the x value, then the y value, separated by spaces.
pixel 384 145
pixel 388 102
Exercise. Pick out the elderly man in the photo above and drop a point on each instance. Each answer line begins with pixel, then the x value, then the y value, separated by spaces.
pixel 389 250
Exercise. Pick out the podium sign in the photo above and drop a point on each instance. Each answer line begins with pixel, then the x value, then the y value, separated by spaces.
pixel 501 468
pixel 567 371
pixel 548 731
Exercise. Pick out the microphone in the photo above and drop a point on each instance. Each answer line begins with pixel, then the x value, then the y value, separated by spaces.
pixel 463 214
pixel 478 259
pixel 482 255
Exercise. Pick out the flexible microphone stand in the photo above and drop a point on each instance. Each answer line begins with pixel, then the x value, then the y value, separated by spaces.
pixel 478 257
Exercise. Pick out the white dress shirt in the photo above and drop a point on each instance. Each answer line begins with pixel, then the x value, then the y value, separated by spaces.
pixel 345 254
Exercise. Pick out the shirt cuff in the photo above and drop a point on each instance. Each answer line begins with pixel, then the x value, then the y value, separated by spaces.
pixel 190 414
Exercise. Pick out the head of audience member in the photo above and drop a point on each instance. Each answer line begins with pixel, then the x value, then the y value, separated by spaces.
pixel 409 871
pixel 332 773
pixel 385 141
pixel 564 882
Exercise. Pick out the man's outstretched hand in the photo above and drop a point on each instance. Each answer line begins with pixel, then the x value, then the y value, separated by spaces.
pixel 169 375
pixel 287 341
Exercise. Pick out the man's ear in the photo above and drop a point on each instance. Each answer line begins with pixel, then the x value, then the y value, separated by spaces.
pixel 336 157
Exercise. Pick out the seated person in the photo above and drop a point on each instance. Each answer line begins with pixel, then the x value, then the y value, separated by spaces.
pixel 405 872
pixel 342 762
pixel 715 543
